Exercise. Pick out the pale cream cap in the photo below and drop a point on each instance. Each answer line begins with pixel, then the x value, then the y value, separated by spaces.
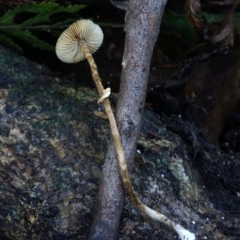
pixel 67 47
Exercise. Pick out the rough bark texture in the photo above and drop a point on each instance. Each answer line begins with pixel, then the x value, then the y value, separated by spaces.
pixel 142 27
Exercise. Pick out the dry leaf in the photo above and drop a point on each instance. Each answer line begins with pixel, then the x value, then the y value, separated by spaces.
pixel 102 115
pixel 225 30
pixel 193 8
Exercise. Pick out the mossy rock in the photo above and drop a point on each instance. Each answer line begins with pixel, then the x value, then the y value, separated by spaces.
pixel 52 148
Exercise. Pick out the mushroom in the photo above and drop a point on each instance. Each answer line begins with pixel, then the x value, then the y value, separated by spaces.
pixel 69 47
pixel 76 43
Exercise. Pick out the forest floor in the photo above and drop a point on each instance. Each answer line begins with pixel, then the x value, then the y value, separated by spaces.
pixel 217 168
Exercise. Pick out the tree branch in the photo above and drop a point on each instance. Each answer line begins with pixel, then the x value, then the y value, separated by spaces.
pixel 142 27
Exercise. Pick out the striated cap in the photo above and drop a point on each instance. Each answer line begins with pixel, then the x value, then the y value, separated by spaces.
pixel 68 48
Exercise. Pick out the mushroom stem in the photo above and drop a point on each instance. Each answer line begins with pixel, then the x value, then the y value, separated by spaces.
pixel 182 232
pixel 93 67
pixel 107 106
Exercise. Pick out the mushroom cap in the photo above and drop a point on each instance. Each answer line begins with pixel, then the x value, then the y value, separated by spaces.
pixel 68 49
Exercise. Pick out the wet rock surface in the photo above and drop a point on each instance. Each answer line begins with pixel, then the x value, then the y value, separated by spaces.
pixel 52 148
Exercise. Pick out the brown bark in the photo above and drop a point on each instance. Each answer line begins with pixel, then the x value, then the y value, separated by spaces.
pixel 142 26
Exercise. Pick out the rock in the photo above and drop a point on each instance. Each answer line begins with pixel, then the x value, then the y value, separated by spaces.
pixel 52 147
